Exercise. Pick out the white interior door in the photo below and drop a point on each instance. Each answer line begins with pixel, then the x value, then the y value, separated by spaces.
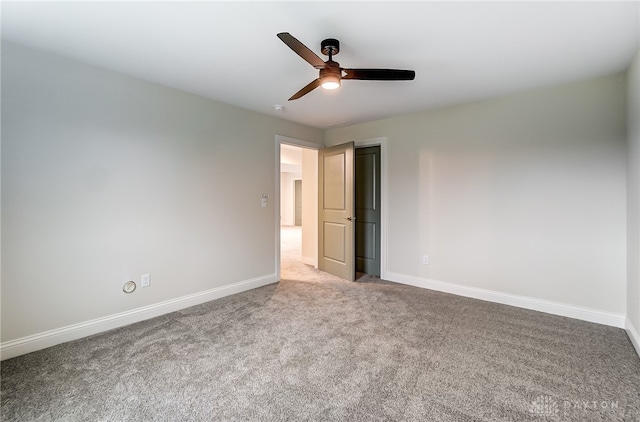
pixel 336 221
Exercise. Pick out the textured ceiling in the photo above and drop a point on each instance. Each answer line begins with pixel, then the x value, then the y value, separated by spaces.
pixel 229 51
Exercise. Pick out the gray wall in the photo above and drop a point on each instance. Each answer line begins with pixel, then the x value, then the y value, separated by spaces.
pixel 105 177
pixel 633 200
pixel 523 195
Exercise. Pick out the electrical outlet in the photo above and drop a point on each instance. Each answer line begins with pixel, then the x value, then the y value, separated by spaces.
pixel 425 259
pixel 144 280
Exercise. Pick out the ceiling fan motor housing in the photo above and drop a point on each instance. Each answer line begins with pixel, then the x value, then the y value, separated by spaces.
pixel 331 68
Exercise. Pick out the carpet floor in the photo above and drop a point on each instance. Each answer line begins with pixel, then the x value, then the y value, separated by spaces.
pixel 316 348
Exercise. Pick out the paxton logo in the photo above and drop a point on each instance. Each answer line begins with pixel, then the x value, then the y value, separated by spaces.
pixel 544 406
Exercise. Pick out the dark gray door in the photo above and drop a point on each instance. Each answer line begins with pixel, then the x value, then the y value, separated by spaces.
pixel 367 210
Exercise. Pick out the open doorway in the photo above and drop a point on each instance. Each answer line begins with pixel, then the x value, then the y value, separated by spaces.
pixel 298 207
pixel 302 247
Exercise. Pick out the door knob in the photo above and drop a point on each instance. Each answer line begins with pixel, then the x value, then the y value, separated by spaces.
pixel 350 218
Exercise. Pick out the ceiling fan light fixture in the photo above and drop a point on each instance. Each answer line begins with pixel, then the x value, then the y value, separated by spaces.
pixel 330 81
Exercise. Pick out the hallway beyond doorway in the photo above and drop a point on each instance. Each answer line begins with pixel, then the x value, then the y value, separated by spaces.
pixel 293 269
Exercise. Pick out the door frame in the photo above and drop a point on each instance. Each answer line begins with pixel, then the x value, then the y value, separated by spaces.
pixel 286 140
pixel 295 201
pixel 382 142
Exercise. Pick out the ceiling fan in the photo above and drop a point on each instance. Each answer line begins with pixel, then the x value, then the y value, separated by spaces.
pixel 331 73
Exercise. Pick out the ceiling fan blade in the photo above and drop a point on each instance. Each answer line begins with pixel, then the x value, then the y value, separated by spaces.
pixel 379 74
pixel 301 50
pixel 307 89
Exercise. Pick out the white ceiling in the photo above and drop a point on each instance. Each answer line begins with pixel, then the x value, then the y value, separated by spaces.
pixel 461 51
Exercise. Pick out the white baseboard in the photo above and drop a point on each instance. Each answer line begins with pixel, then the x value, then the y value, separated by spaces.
pixel 633 335
pixel 50 338
pixel 555 308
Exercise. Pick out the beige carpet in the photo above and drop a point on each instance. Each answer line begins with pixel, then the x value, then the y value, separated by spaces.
pixel 322 349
